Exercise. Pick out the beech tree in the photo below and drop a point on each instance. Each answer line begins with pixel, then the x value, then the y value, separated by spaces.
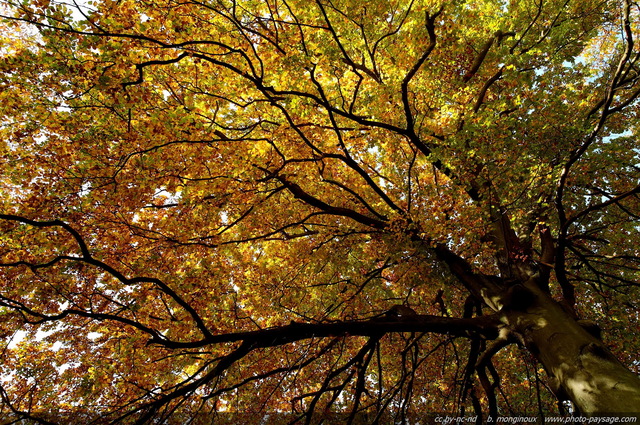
pixel 380 210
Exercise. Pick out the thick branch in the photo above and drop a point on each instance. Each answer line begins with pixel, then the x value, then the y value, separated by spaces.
pixel 485 288
pixel 486 326
pixel 299 193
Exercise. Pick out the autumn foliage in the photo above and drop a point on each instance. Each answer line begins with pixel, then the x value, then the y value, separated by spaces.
pixel 374 210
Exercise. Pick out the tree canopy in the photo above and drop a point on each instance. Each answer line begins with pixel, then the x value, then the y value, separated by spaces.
pixel 381 209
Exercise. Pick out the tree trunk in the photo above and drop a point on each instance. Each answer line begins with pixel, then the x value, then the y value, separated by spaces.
pixel 578 363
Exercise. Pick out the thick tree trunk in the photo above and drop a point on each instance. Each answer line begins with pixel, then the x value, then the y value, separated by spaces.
pixel 578 363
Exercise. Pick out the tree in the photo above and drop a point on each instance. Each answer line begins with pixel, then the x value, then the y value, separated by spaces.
pixel 366 208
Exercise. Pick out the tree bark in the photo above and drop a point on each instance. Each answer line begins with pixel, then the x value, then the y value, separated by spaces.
pixel 577 362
